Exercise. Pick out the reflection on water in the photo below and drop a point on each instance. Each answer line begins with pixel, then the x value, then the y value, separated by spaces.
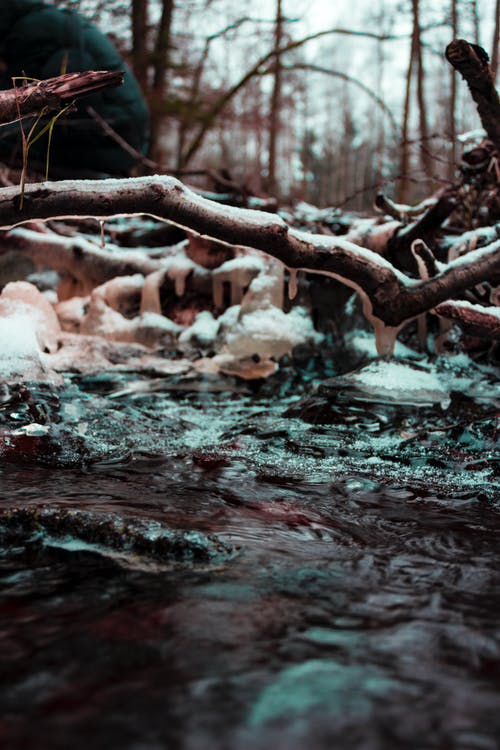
pixel 357 609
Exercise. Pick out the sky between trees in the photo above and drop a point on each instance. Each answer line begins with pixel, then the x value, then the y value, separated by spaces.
pixel 341 100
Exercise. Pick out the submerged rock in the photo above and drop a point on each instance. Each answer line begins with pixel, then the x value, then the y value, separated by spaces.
pixel 319 687
pixel 131 543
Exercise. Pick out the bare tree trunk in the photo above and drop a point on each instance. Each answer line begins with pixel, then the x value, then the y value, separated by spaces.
pixel 380 121
pixel 453 100
pixel 208 120
pixel 139 42
pixel 494 46
pixel 422 112
pixel 404 162
pixel 274 115
pixel 160 68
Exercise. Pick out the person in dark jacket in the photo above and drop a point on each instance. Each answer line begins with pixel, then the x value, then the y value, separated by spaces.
pixel 39 41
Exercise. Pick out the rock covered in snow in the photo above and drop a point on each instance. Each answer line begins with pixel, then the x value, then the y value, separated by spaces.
pixel 28 328
pixel 202 333
pixel 269 332
pixel 149 328
pixel 393 382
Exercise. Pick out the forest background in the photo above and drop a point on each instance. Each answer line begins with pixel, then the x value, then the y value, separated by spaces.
pixel 300 99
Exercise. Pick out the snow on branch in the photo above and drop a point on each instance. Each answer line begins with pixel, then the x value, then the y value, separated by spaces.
pixel 474 319
pixel 390 298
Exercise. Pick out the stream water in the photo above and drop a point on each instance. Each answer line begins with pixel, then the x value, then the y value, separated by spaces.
pixel 349 596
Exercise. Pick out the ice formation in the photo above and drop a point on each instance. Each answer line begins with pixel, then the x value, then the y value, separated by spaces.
pixel 245 331
pixel 149 328
pixel 399 383
pixel 238 273
pixel 292 283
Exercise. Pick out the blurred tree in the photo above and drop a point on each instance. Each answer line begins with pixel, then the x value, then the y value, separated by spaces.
pixel 415 70
pixel 496 40
pixel 453 99
pixel 274 114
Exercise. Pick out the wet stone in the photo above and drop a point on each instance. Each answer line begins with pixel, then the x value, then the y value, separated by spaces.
pixel 133 542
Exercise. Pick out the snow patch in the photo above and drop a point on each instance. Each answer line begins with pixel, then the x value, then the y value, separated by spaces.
pixel 270 333
pixel 398 383
pixel 202 332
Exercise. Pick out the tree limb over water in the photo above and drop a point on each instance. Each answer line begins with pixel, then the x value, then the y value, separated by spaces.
pixel 390 298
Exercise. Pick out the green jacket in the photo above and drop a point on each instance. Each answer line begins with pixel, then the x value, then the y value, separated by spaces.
pixel 41 41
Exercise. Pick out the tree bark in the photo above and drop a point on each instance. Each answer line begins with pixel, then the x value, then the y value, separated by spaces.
pixel 53 93
pixel 472 63
pixel 474 319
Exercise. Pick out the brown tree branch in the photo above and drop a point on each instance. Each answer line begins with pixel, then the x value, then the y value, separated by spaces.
pixel 471 62
pixel 54 93
pixel 476 320
pixel 390 297
pixel 424 228
pixel 88 263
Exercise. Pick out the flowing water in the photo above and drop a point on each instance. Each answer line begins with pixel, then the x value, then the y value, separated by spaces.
pixel 349 596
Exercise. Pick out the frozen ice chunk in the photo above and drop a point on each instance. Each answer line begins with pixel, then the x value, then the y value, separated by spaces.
pixel 266 289
pixel 71 313
pixel 398 383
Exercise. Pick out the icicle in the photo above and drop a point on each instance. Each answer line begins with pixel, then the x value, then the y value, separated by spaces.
pixel 180 283
pixel 236 292
pixel 217 290
pixel 103 239
pixel 385 336
pixel 150 297
pixel 178 270
pixel 239 272
pixel 292 283
pixel 424 275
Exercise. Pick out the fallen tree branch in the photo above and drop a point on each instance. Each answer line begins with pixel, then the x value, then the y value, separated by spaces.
pixel 476 320
pixel 88 263
pixel 400 211
pixel 471 61
pixel 54 93
pixel 390 298
pixel 423 228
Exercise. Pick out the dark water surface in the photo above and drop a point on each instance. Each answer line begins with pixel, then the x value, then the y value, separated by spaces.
pixel 356 604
